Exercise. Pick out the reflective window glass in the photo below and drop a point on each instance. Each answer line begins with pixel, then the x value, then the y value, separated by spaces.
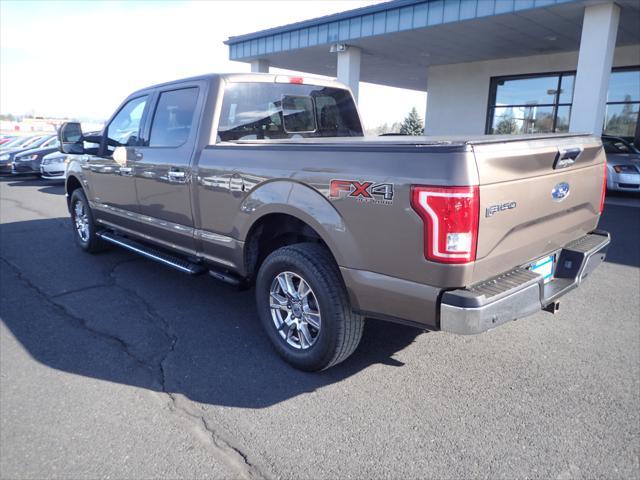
pixel 527 91
pixel 621 119
pixel 624 86
pixel 173 118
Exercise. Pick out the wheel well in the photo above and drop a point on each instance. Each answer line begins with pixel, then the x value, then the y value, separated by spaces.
pixel 272 232
pixel 72 184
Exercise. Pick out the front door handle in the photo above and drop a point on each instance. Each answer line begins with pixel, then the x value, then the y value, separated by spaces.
pixel 126 171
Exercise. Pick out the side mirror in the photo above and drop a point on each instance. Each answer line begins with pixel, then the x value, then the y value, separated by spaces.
pixel 71 138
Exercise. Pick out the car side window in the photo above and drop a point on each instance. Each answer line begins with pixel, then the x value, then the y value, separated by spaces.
pixel 124 129
pixel 173 118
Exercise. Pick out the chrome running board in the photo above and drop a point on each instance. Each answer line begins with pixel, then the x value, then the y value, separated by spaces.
pixel 154 254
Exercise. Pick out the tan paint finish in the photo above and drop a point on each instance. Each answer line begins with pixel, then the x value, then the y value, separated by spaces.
pixel 379 246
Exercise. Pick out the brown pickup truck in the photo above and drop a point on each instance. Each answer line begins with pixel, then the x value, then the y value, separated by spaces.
pixel 267 180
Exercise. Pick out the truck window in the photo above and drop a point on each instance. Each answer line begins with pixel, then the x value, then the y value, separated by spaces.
pixel 298 114
pixel 173 117
pixel 124 129
pixel 281 110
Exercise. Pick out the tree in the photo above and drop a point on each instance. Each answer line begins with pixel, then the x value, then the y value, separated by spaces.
pixel 382 129
pixel 507 124
pixel 412 124
pixel 385 128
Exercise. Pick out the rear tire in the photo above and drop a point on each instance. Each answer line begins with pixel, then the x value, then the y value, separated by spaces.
pixel 304 307
pixel 83 223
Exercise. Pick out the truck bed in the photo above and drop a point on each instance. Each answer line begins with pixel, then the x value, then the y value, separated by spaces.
pixel 462 141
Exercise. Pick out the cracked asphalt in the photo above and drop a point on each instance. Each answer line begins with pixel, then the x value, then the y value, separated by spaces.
pixel 113 366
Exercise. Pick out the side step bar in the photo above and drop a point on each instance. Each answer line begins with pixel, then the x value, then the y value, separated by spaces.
pixel 152 253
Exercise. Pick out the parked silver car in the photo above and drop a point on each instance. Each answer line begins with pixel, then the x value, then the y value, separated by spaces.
pixel 623 164
pixel 53 166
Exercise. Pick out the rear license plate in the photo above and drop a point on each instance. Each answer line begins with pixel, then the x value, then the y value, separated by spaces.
pixel 544 267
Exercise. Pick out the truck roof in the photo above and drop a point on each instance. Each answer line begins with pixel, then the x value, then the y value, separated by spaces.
pixel 252 77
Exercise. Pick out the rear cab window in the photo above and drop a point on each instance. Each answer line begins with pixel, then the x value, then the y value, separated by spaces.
pixel 173 118
pixel 262 111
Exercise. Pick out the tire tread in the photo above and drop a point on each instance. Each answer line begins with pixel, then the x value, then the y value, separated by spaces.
pixel 323 266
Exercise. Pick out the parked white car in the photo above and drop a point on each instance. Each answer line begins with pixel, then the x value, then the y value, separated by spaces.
pixel 53 166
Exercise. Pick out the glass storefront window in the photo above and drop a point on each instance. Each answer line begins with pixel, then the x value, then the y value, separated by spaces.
pixel 528 91
pixel 566 89
pixel 562 119
pixel 542 103
pixel 624 86
pixel 530 104
pixel 621 119
pixel 518 120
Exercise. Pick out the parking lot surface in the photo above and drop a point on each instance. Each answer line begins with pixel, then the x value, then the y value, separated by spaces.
pixel 114 366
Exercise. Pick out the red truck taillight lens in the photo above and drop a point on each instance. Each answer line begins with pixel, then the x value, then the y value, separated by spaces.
pixel 604 188
pixel 450 217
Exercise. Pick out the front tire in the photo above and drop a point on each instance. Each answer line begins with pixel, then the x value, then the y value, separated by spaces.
pixel 304 307
pixel 84 224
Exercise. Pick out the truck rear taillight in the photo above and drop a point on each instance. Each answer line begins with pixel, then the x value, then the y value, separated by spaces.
pixel 450 216
pixel 604 188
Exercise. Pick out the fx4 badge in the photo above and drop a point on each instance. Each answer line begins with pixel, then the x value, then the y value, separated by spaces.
pixel 499 207
pixel 380 193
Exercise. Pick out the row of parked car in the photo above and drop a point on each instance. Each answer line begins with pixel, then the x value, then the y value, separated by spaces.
pixel 32 155
pixel 39 155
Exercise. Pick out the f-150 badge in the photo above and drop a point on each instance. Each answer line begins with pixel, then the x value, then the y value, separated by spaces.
pixel 499 207
pixel 380 193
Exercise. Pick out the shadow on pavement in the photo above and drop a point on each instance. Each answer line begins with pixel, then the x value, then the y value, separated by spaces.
pixel 220 355
pixel 55 187
pixel 175 333
pixel 623 223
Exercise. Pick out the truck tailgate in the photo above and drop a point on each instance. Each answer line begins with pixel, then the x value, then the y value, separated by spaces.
pixel 531 201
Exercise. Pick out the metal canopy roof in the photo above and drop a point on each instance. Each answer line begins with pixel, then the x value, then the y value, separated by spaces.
pixel 400 39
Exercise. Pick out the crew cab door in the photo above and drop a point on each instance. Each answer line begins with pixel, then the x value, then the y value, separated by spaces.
pixel 163 167
pixel 110 171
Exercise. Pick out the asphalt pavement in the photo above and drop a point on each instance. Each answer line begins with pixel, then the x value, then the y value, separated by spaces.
pixel 113 366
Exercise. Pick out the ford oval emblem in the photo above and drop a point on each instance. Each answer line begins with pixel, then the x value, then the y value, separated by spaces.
pixel 560 192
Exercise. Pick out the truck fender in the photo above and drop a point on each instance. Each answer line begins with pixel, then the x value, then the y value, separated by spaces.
pixel 307 205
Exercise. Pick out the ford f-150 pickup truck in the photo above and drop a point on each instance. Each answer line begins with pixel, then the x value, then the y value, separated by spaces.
pixel 267 180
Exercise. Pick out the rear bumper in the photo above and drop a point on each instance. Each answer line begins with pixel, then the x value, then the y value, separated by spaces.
pixel 520 292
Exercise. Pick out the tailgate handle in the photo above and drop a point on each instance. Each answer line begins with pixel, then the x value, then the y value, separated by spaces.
pixel 567 157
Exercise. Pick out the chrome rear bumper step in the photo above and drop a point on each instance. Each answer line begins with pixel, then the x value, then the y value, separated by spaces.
pixel 152 253
pixel 521 292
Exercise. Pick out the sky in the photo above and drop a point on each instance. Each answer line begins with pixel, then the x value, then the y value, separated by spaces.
pixel 80 59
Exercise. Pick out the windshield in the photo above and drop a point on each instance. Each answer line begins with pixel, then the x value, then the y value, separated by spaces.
pixel 38 141
pixel 18 142
pixel 283 110
pixel 618 145
pixel 52 143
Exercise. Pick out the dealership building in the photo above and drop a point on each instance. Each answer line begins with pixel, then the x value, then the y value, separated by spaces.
pixel 488 66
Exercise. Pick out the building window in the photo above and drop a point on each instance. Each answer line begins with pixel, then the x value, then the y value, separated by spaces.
pixel 531 104
pixel 542 103
pixel 623 102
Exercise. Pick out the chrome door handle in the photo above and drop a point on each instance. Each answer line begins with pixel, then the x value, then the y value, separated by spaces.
pixel 126 171
pixel 138 155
